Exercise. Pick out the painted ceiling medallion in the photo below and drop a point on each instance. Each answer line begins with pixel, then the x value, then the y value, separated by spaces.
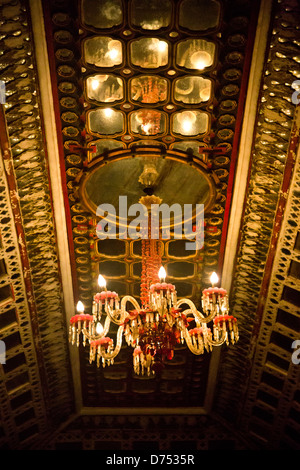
pixel 179 178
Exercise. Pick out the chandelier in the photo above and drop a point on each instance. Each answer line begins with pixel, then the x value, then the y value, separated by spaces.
pixel 158 324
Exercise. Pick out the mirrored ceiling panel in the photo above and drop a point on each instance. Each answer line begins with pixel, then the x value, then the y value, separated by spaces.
pixel 102 14
pixel 148 122
pixel 192 90
pixel 166 76
pixel 195 54
pixel 101 146
pixel 149 53
pixel 106 121
pixel 190 123
pixel 102 51
pixel 191 15
pixel 104 88
pixel 149 89
pixel 151 15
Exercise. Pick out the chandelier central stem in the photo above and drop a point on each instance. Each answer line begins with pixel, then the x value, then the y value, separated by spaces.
pixel 151 262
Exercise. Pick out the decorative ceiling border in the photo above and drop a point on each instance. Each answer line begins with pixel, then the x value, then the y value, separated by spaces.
pixel 269 166
pixel 22 373
pixel 278 321
pixel 28 160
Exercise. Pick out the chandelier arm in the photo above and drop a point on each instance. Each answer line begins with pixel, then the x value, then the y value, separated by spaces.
pixel 189 343
pixel 218 342
pixel 85 333
pixel 132 300
pixel 213 342
pixel 106 325
pixel 198 315
pixel 191 304
pixel 193 309
pixel 91 336
pixel 167 315
pixel 197 318
pixel 209 318
pixel 112 314
pixel 116 350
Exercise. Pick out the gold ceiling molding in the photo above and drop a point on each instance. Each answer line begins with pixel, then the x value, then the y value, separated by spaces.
pixel 269 163
pixel 29 169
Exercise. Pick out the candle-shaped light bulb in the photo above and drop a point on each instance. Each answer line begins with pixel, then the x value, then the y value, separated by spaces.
pixel 162 274
pixel 99 328
pixel 214 279
pixel 80 307
pixel 101 282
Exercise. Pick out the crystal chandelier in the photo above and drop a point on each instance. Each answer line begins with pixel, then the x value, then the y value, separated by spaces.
pixel 154 327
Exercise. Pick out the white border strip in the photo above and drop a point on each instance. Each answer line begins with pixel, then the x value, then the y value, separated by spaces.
pixel 247 137
pixel 46 94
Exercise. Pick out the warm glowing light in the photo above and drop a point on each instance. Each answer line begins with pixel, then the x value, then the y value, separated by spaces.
pixel 187 120
pixel 200 60
pixel 214 278
pixel 113 54
pixel 146 127
pixel 162 273
pixel 205 94
pixel 108 112
pixel 101 281
pixel 187 125
pixel 94 83
pixel 80 307
pixel 162 46
pixel 99 328
pixel 200 65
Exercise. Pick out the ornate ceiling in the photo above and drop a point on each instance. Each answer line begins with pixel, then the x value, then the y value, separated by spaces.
pixel 95 93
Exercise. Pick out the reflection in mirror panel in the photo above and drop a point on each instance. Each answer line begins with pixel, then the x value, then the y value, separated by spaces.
pixel 101 14
pixel 149 52
pixel 151 14
pixel 192 90
pixel 195 54
pixel 102 51
pixel 105 121
pixel 104 88
pixel 148 89
pixel 148 122
pixel 191 14
pixel 190 123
